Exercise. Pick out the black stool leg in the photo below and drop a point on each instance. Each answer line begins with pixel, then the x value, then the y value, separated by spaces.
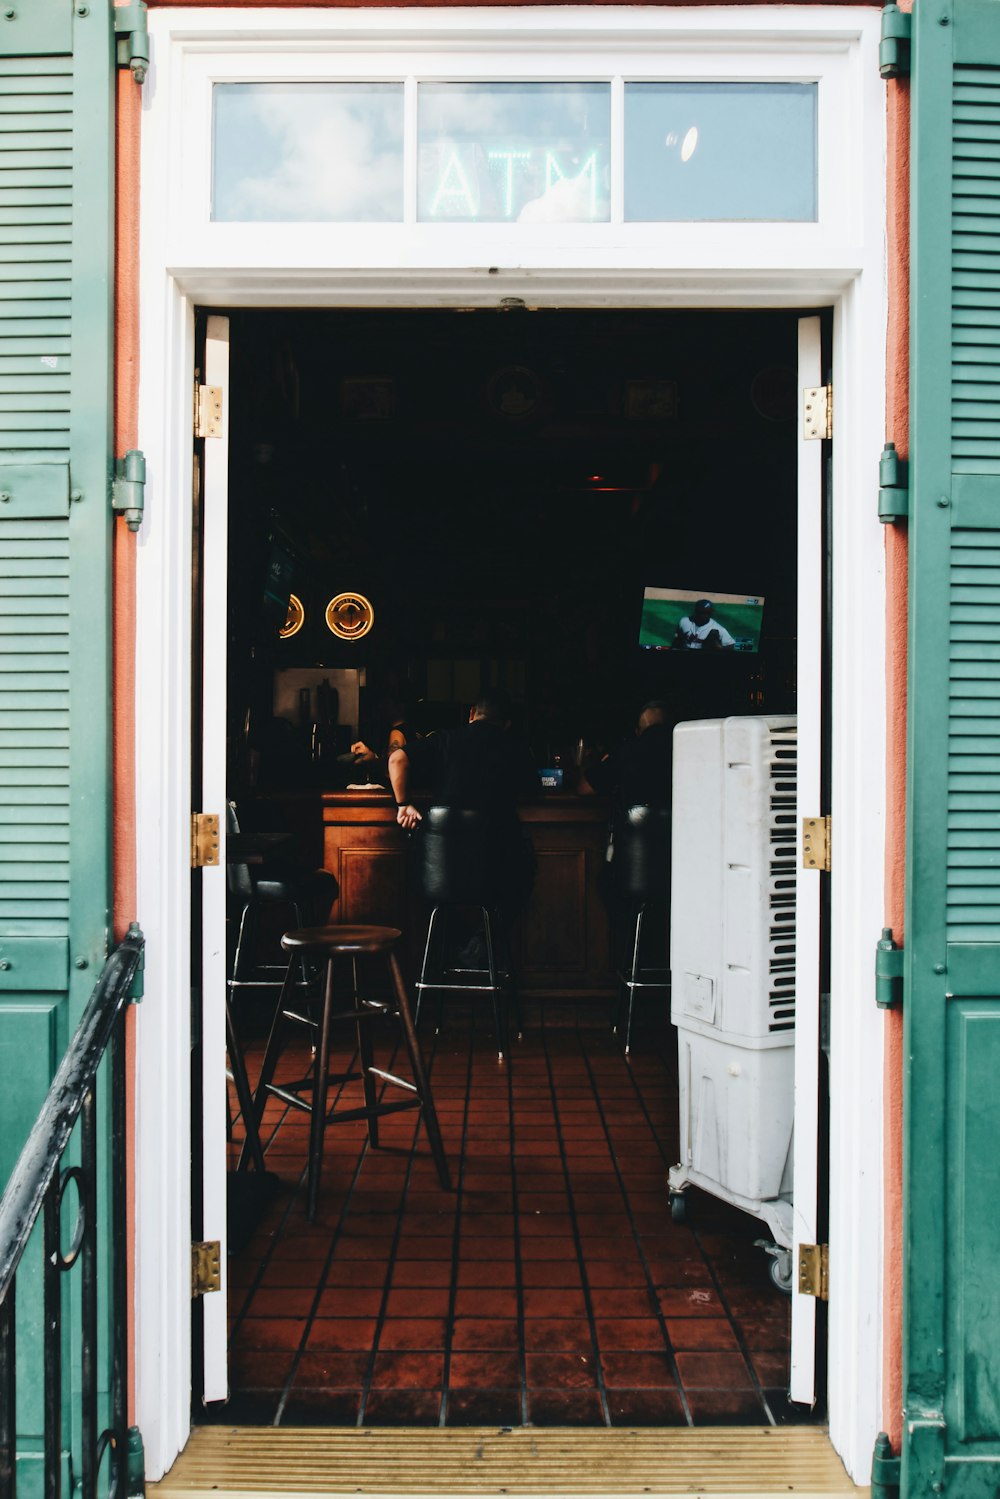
pixel 491 964
pixel 317 1124
pixel 366 1054
pixel 245 1097
pixel 271 1053
pixel 635 978
pixel 506 946
pixel 419 1076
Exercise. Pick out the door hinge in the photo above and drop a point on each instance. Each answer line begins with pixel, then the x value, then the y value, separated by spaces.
pixel 893 486
pixel 814 1271
pixel 888 971
pixel 204 839
pixel 128 488
pixel 818 415
pixel 816 843
pixel 132 38
pixel 138 986
pixel 208 411
pixel 894 44
pixel 206 1268
pixel 885 1469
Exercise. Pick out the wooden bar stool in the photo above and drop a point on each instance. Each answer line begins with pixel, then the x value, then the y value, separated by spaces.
pixel 326 944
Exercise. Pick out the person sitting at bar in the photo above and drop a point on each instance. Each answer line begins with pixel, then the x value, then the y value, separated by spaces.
pixel 479 767
pixel 638 773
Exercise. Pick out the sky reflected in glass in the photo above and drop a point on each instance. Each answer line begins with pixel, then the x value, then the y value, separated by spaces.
pixel 308 152
pixel 723 151
pixel 525 153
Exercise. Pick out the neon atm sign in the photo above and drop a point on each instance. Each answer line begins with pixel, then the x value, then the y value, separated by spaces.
pixel 489 183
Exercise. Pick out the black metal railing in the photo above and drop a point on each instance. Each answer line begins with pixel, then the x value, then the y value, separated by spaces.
pixel 36 1189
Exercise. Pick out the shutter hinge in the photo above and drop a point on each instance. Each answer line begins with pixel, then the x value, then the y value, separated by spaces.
pixel 814 1271
pixel 888 972
pixel 128 489
pixel 816 843
pixel 885 1470
pixel 894 44
pixel 138 986
pixel 893 486
pixel 206 1268
pixel 818 420
pixel 208 411
pixel 132 38
pixel 204 839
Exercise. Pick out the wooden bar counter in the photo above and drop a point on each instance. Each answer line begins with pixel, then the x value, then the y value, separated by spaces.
pixel 560 941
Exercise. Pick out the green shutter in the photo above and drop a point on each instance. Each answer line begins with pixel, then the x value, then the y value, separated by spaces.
pixel 56 142
pixel 952 1007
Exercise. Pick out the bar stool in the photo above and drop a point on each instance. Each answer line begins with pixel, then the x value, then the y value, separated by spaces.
pixel 641 868
pixel 325 945
pixel 461 864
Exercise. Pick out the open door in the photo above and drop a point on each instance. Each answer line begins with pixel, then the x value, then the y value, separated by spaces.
pixel 811 572
pixel 211 560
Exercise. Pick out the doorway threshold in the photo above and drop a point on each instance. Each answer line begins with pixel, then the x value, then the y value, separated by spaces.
pixel 532 1463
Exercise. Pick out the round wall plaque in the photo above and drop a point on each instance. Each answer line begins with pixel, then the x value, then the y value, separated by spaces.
pixel 294 619
pixel 349 616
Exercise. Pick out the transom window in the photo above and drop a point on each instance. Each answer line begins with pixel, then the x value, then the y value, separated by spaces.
pixel 494 151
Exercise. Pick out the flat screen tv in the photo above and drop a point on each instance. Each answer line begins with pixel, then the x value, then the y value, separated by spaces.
pixel 691 619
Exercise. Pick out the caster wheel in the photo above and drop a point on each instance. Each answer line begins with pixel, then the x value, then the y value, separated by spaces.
pixel 780 1270
pixel 678 1207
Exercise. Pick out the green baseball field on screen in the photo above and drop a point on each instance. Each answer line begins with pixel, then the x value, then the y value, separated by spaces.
pixel 663 609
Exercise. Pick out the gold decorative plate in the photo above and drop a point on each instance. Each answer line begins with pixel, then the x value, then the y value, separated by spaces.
pixel 349 616
pixel 294 619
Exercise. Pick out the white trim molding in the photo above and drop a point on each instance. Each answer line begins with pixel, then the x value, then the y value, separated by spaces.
pixel 186 261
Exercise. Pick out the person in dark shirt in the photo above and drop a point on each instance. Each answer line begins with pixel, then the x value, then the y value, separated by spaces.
pixel 479 767
pixel 638 773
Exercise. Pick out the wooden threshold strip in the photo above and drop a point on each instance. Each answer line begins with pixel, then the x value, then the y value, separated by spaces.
pixel 718 1461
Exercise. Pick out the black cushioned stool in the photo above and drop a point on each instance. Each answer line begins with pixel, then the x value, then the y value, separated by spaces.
pixel 325 944
pixel 464 862
pixel 641 867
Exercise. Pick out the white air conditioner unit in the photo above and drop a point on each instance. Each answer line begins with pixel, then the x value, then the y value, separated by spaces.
pixel 732 963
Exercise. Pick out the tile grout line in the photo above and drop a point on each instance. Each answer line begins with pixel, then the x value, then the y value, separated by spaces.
pixel 449 1330
pixel 650 1284
pixel 366 1387
pixel 334 1241
pixel 710 1267
pixel 581 1261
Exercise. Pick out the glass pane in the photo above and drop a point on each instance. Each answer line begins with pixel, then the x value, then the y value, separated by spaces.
pixel 528 153
pixel 324 152
pixel 720 151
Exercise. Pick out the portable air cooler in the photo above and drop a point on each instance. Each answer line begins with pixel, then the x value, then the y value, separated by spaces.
pixel 732 962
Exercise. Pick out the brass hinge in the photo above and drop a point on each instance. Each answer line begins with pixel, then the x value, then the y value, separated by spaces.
pixel 208 411
pixel 204 839
pixel 814 1271
pixel 816 843
pixel 206 1268
pixel 818 421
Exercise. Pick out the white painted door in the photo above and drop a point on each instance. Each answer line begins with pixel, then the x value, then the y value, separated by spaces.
pixel 215 508
pixel 811 570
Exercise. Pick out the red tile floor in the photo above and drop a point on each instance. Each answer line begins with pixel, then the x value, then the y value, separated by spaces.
pixel 550 1286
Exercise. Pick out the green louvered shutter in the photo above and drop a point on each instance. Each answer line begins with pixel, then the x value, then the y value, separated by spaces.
pixel 56 123
pixel 952 1004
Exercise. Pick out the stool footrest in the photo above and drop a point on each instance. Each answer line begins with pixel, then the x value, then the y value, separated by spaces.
pixel 390 1077
pixel 350 1116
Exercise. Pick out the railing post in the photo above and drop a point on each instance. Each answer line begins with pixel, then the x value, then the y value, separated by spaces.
pixel 52 1341
pixel 8 1400
pixel 88 1292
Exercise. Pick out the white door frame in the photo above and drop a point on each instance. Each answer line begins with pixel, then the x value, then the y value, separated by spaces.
pixel 854 284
